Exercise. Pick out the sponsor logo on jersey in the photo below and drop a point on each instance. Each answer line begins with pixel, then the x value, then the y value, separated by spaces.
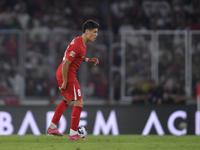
pixel 72 54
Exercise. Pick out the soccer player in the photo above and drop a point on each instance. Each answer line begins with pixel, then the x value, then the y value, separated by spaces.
pixel 67 82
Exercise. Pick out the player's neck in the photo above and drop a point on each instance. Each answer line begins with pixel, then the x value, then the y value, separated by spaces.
pixel 84 39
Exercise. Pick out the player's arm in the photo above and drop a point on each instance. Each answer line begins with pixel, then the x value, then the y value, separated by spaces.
pixel 95 61
pixel 65 68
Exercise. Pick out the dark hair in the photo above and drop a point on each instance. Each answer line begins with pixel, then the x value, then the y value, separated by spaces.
pixel 90 25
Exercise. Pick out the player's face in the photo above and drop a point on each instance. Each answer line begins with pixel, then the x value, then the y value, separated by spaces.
pixel 92 34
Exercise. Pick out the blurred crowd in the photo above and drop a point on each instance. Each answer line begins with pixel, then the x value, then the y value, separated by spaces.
pixel 114 15
pixel 37 18
pixel 159 95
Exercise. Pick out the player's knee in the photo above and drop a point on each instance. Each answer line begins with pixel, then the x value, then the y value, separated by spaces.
pixel 79 103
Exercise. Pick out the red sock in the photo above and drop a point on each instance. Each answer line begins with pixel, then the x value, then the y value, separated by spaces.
pixel 59 111
pixel 75 117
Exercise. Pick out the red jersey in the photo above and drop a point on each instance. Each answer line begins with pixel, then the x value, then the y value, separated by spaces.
pixel 75 53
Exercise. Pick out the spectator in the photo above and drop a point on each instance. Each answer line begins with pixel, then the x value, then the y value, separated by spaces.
pixel 23 18
pixel 119 7
pixel 104 6
pixel 51 100
pixel 34 55
pixel 30 89
pixel 8 17
pixel 90 9
pixel 42 68
pixel 159 20
pixel 196 25
pixel 3 53
pixel 151 7
pixel 178 94
pixel 164 94
pixel 17 82
pixel 11 46
pixel 101 85
pixel 125 26
pixel 44 31
pixel 153 94
pixel 138 95
pixel 5 85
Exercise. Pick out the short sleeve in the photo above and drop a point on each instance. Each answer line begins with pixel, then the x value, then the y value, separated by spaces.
pixel 72 52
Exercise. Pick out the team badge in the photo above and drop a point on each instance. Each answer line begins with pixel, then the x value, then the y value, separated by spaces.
pixel 72 54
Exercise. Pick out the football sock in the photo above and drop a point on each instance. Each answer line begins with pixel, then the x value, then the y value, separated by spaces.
pixel 72 132
pixel 58 112
pixel 75 118
pixel 52 126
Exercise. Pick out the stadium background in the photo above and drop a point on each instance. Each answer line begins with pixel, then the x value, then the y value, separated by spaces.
pixel 139 41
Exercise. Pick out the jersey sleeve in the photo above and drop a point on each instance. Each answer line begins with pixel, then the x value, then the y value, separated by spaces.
pixel 72 52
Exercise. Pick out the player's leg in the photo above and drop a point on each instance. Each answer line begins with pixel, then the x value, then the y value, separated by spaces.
pixel 59 111
pixel 76 112
pixel 75 118
pixel 56 117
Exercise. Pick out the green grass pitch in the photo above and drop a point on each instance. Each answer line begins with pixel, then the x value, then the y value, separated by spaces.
pixel 121 142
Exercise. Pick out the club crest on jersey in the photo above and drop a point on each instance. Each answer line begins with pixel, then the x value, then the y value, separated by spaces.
pixel 72 54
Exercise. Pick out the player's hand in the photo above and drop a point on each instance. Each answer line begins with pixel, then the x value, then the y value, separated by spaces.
pixel 95 61
pixel 63 87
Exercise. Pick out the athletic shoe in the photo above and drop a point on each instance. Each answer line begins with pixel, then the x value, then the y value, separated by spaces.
pixel 75 137
pixel 54 132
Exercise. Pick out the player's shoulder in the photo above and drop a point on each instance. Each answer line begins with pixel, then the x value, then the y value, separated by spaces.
pixel 77 40
pixel 76 43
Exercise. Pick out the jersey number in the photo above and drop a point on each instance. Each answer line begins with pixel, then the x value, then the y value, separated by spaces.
pixel 79 92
